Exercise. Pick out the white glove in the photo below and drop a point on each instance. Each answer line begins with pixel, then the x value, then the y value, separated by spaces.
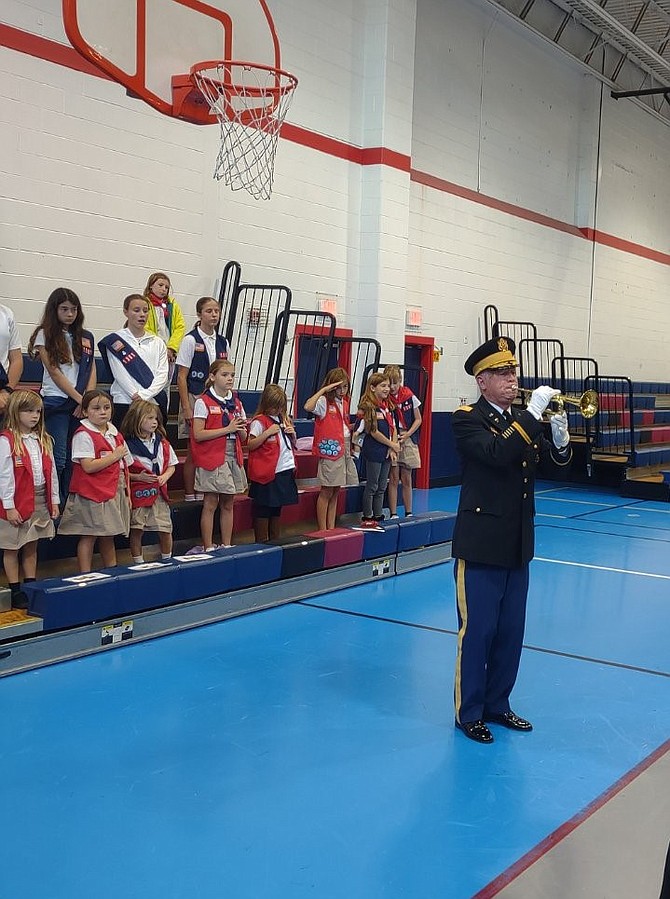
pixel 540 399
pixel 559 430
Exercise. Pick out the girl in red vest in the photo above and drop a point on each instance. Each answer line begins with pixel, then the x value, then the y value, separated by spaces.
pixel 28 489
pixel 218 431
pixel 409 421
pixel 201 346
pixel 332 443
pixel 98 507
pixel 271 462
pixel 154 463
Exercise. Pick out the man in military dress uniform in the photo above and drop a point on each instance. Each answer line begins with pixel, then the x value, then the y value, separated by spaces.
pixel 500 447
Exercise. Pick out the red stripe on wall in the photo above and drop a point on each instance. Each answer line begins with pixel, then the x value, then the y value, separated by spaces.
pixel 626 246
pixel 509 208
pixel 333 147
pixel 52 51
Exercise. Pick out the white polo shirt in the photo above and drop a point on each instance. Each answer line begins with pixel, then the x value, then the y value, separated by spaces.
pixel 9 335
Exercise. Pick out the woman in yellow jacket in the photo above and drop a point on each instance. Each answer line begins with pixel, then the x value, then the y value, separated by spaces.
pixel 166 320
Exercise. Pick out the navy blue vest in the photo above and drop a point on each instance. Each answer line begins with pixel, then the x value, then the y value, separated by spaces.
pixel 200 363
pixel 372 450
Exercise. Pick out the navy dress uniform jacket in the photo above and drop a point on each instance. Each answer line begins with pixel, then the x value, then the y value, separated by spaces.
pixel 496 511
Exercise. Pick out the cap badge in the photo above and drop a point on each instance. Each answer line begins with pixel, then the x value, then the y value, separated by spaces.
pixel 503 346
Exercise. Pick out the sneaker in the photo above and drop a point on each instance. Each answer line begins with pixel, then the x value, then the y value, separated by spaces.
pixel 195 551
pixel 368 524
pixel 394 518
pixel 408 515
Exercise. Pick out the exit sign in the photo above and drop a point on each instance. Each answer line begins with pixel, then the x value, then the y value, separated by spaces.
pixel 413 318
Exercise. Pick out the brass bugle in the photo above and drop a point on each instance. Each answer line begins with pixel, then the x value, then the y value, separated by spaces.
pixel 587 402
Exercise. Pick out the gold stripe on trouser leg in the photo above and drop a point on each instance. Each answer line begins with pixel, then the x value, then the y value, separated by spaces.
pixel 463 611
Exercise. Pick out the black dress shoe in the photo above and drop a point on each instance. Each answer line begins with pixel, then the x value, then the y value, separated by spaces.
pixel 19 600
pixel 476 730
pixel 509 719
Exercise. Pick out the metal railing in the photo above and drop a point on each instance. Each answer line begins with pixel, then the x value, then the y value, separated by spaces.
pixel 615 434
pixel 490 320
pixel 536 358
pixel 358 355
pixel 299 352
pixel 518 331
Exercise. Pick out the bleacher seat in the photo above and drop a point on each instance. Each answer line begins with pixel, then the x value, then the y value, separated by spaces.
pixel 342 546
pixel 301 554
pixel 441 525
pixel 74 600
pixel 377 544
pixel 412 533
pixel 255 563
pixel 304 509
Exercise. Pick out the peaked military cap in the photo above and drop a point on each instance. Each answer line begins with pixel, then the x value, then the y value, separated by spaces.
pixel 495 353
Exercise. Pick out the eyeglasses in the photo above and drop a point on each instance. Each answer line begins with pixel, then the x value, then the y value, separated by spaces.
pixel 503 372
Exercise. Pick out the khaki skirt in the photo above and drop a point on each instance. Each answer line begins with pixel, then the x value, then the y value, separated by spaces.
pixel 84 518
pixel 337 472
pixel 155 517
pixel 229 478
pixel 409 455
pixel 39 526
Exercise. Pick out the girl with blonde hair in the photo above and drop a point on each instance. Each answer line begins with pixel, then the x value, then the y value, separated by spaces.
pixel 154 463
pixel 332 443
pixel 28 489
pixel 409 421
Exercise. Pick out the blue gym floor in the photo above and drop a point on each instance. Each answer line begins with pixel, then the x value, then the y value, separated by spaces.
pixel 309 750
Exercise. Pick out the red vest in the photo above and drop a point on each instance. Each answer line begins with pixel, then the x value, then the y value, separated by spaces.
pixel 329 430
pixel 210 454
pixel 263 460
pixel 142 493
pixel 24 485
pixel 100 486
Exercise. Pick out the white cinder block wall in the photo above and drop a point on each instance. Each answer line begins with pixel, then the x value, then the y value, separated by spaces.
pixel 99 190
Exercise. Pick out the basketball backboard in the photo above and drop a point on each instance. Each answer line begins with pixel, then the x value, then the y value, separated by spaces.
pixel 144 44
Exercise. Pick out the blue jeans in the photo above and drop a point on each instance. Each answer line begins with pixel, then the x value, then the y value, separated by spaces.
pixel 61 425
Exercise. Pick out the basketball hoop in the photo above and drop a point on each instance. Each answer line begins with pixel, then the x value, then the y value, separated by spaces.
pixel 250 102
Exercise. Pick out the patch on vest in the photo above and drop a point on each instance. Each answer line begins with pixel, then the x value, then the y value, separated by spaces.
pixel 329 447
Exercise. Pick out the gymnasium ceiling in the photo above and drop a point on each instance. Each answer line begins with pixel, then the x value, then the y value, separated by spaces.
pixel 627 42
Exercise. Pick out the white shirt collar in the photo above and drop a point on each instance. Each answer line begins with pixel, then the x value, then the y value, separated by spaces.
pixel 223 399
pixel 111 429
pixel 498 409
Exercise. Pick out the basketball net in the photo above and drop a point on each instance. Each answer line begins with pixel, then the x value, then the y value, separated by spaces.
pixel 250 103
